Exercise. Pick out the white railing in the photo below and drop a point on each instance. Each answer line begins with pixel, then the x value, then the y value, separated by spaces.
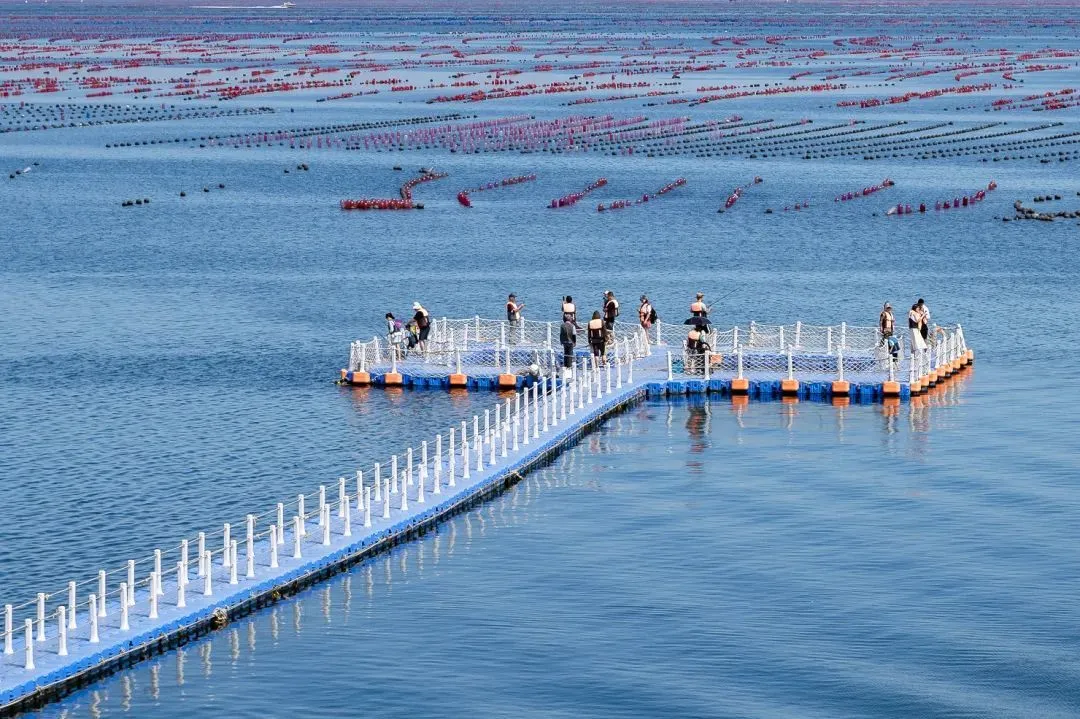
pixel 478 344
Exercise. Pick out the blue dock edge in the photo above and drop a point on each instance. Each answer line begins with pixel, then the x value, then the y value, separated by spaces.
pixel 861 392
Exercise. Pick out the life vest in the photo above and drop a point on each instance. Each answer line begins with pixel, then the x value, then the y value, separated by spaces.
pixel 569 312
pixel 611 309
pixel 698 309
pixel 693 340
pixel 512 313
pixel 596 331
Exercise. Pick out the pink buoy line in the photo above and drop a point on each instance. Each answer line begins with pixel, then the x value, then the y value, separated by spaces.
pixel 620 204
pixel 573 197
pixel 954 203
pixel 737 193
pixel 463 196
pixel 405 203
pixel 864 192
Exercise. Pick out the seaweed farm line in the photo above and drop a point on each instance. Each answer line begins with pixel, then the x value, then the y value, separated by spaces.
pixel 808 361
pixel 73 635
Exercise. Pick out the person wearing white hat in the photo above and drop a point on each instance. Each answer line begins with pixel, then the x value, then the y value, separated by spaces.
pixel 423 323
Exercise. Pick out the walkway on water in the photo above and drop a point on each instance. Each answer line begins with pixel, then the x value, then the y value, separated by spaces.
pixel 421 486
pixel 69 639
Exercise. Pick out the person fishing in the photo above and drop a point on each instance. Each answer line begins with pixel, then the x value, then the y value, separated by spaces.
pixel 513 316
pixel 698 308
pixel 597 338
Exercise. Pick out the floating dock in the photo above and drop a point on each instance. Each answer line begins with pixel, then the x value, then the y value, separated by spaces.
pixel 67 638
pixel 762 361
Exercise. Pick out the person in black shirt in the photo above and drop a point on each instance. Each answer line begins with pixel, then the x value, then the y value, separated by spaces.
pixel 568 338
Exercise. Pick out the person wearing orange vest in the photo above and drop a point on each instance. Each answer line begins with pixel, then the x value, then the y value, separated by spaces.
pixel 513 317
pixel 698 308
pixel 597 338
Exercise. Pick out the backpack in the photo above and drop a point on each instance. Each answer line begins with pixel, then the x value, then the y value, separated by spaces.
pixel 652 314
pixel 398 326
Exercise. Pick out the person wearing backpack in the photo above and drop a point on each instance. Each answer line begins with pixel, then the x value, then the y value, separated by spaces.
pixel 646 315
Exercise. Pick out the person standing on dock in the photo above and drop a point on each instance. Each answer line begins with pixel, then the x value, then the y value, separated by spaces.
pixel 568 338
pixel 597 338
pixel 696 347
pixel 569 311
pixel 886 322
pixel 513 317
pixel 646 315
pixel 423 323
pixel 924 313
pixel 395 334
pixel 914 323
pixel 698 308
pixel 611 310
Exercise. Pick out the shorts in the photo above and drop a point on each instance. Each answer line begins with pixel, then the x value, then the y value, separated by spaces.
pixel 424 332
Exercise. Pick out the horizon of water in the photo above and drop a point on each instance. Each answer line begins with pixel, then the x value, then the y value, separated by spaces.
pixel 167 368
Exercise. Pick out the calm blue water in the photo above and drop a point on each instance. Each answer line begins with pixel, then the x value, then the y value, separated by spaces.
pixel 167 368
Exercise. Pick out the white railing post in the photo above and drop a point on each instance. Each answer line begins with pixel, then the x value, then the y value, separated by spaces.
pixel 8 618
pixel 828 339
pixel 840 362
pixel 735 338
pixel 202 550
pixel 94 618
pixel 670 376
pixel 549 335
pixel 798 334
pixel 124 588
pixel 740 362
pixel 153 595
pixel 208 574
pixel 521 326
pixel 28 663
pixel 843 335
pixel 225 558
pixel 61 626
pixel 274 529
pixel 708 361
pixel 781 338
pixel 101 593
pixel 181 600
pixel 72 622
pixel 41 616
